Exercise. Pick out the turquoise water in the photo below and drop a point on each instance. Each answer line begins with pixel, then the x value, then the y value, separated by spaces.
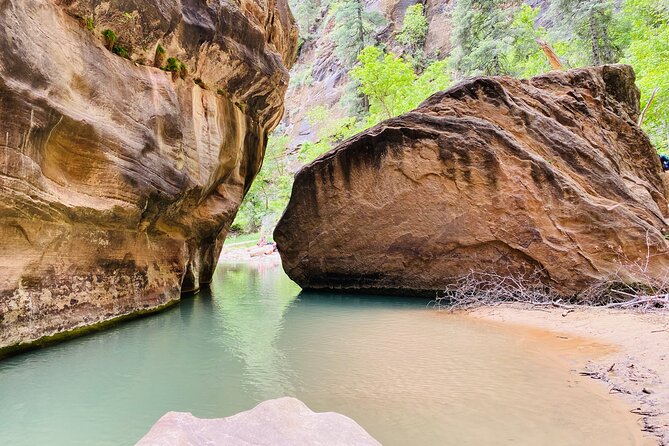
pixel 407 374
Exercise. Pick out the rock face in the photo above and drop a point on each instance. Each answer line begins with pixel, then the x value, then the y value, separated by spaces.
pixel 118 180
pixel 549 175
pixel 285 421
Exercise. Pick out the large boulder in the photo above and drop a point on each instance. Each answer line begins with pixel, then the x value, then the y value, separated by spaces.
pixel 285 421
pixel 118 181
pixel 548 179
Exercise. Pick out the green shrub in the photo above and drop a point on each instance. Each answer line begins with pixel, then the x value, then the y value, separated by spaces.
pixel 172 65
pixel 414 29
pixel 121 51
pixel 110 38
pixel 159 58
pixel 90 24
pixel 178 68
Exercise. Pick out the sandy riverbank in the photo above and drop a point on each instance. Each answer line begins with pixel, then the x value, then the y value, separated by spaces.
pixel 632 358
pixel 251 255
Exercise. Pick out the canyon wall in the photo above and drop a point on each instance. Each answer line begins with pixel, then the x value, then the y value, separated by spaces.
pixel 547 179
pixel 118 180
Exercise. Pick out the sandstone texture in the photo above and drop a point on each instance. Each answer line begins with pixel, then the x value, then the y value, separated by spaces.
pixel 118 180
pixel 285 421
pixel 548 177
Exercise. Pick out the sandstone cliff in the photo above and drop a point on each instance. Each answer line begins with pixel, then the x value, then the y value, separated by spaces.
pixel 549 175
pixel 118 181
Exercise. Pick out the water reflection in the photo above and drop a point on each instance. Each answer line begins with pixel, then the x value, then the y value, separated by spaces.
pixel 407 374
pixel 252 303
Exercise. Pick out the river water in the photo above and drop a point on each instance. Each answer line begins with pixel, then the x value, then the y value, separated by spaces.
pixel 407 374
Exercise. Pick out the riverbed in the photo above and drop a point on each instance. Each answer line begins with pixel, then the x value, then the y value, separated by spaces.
pixel 406 373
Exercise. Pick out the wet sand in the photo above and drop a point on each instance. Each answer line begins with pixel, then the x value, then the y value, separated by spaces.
pixel 626 351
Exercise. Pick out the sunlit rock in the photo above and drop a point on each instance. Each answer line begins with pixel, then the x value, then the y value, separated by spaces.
pixel 284 421
pixel 548 178
pixel 118 181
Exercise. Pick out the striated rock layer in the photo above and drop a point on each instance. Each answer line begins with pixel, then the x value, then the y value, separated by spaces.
pixel 284 421
pixel 548 177
pixel 118 181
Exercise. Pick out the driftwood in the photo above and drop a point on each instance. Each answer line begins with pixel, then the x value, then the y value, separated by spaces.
pixel 490 289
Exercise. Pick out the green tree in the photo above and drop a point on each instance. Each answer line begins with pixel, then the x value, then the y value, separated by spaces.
pixel 590 24
pixel 385 80
pixel 392 86
pixel 646 37
pixel 414 29
pixel 331 133
pixel 354 27
pixel 306 14
pixel 481 38
pixel 526 59
pixel 270 191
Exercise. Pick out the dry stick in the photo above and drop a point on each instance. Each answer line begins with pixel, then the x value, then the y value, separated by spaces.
pixel 645 109
pixel 485 288
pixel 553 58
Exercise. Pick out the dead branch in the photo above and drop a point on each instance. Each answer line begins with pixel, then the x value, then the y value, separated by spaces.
pixel 645 109
pixel 552 57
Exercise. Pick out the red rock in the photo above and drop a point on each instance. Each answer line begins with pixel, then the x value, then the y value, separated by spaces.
pixel 494 175
pixel 117 182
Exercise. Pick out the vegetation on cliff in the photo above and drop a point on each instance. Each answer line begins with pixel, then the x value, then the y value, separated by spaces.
pixel 387 70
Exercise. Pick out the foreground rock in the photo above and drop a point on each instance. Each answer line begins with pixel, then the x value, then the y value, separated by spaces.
pixel 548 177
pixel 285 421
pixel 118 181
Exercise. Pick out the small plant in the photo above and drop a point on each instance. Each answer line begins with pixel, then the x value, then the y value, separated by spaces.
pixel 110 38
pixel 121 51
pixel 178 68
pixel 221 92
pixel 172 65
pixel 159 58
pixel 90 24
pixel 200 83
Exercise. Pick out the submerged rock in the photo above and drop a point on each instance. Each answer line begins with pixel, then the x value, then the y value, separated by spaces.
pixel 548 178
pixel 285 421
pixel 118 181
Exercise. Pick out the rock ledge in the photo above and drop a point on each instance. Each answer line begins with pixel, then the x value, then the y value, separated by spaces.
pixel 284 421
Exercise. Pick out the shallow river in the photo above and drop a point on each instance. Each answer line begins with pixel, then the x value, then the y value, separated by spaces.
pixel 409 375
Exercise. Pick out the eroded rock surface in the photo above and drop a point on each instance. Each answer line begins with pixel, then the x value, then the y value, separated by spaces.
pixel 118 181
pixel 494 175
pixel 285 421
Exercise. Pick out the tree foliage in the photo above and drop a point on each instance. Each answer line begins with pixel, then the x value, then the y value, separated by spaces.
pixel 646 25
pixel 306 14
pixel 590 25
pixel 270 191
pixel 481 37
pixel 392 86
pixel 354 28
pixel 414 28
